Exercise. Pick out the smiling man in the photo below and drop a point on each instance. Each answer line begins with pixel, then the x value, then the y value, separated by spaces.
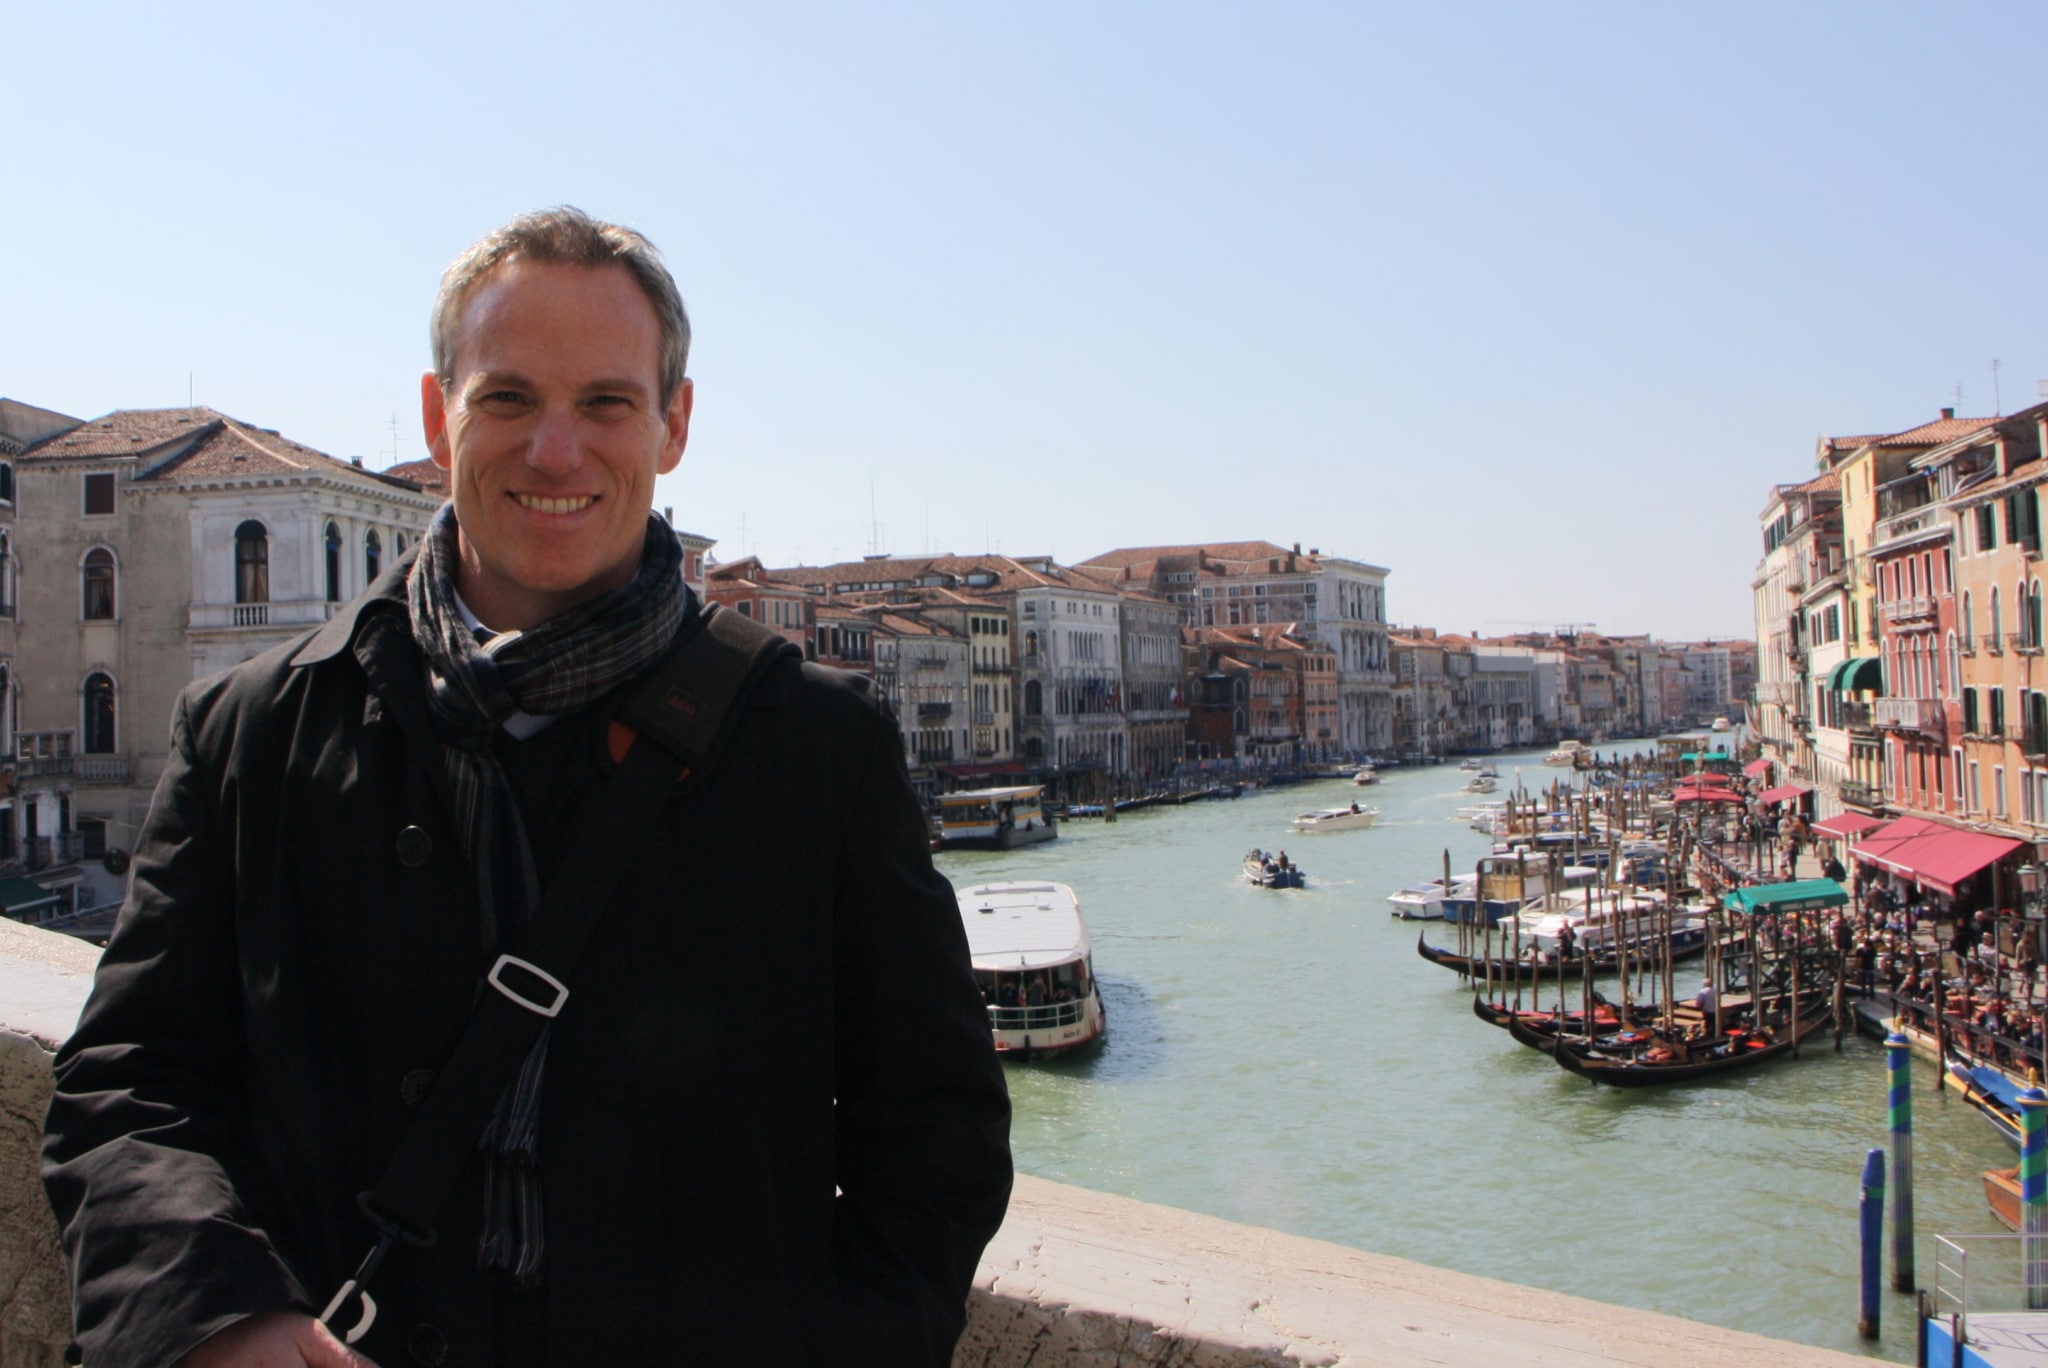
pixel 340 1079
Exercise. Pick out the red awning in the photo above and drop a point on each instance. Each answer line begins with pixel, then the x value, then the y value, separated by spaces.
pixel 1939 857
pixel 1782 792
pixel 1757 769
pixel 1847 824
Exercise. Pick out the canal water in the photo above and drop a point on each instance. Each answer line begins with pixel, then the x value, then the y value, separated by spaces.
pixel 1285 1059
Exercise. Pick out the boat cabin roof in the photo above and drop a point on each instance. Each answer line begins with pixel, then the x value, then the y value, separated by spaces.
pixel 1022 925
pixel 992 794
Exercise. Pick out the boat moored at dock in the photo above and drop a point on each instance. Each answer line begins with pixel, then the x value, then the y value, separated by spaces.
pixel 995 818
pixel 1033 962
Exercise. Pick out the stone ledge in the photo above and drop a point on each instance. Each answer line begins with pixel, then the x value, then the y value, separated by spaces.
pixel 1074 1277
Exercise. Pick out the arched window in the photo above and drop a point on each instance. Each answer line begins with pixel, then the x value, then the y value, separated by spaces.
pixel 333 563
pixel 373 556
pixel 252 563
pixel 98 585
pixel 98 714
pixel 6 482
pixel 1969 624
pixel 2034 615
pixel 1991 637
pixel 1034 698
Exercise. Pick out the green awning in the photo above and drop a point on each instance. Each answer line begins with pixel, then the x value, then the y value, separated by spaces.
pixel 1801 895
pixel 23 895
pixel 1866 675
pixel 1835 675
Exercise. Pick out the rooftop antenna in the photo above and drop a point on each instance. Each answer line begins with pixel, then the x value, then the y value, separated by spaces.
pixel 1959 396
pixel 393 425
pixel 1997 404
pixel 874 523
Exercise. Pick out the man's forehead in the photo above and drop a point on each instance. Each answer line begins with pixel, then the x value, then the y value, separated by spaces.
pixel 556 310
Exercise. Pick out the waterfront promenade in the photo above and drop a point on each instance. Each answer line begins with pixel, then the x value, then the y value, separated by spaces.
pixel 1074 1277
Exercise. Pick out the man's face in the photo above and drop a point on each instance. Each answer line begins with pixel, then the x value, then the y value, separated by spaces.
pixel 552 431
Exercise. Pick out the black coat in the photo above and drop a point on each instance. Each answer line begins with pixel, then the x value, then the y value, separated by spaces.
pixel 777 1004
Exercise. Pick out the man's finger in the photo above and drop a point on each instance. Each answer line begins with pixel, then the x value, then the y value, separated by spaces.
pixel 322 1348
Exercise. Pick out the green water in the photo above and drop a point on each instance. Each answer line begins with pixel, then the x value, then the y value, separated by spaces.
pixel 1285 1059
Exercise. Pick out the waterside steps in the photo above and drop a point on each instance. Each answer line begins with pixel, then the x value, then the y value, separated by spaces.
pixel 1073 1277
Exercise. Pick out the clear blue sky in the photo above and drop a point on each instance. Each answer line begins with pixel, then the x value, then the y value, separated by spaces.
pixel 1532 304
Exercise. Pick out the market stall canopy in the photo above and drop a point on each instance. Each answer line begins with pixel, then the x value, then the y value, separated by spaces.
pixel 1846 824
pixel 18 897
pixel 1801 895
pixel 1704 793
pixel 1757 769
pixel 1782 792
pixel 1935 856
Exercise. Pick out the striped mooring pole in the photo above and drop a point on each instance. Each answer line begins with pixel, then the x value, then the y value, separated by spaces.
pixel 2034 1195
pixel 1899 1118
pixel 1870 1214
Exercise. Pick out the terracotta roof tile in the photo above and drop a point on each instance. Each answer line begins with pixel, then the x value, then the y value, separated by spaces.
pixel 192 443
pixel 1937 432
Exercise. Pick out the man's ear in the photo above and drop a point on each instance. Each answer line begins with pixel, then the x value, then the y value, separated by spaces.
pixel 434 418
pixel 678 419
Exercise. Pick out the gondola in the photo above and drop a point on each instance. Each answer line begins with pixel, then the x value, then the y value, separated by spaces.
pixel 1663 1061
pixel 1992 1092
pixel 1513 971
pixel 1539 1029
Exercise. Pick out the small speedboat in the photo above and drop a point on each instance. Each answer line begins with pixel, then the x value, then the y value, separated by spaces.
pixel 1365 774
pixel 1481 783
pixel 1425 901
pixel 1354 818
pixel 1269 870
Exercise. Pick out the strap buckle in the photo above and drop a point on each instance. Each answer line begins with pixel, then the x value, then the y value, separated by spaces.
pixel 547 1009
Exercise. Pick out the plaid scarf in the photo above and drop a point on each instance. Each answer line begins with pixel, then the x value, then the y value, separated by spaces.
pixel 561 666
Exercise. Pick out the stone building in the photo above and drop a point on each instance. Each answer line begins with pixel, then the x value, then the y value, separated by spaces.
pixel 159 546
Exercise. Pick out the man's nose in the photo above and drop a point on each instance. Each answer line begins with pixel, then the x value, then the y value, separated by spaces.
pixel 557 446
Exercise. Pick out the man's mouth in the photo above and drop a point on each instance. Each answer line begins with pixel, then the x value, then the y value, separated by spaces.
pixel 573 504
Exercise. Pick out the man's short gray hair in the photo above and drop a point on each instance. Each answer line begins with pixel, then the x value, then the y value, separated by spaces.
pixel 566 234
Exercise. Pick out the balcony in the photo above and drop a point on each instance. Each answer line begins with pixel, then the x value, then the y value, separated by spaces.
pixel 1908 524
pixel 1861 795
pixel 106 769
pixel 1909 610
pixel 929 662
pixel 984 718
pixel 1856 717
pixel 202 617
pixel 41 766
pixel 42 852
pixel 1911 714
pixel 934 712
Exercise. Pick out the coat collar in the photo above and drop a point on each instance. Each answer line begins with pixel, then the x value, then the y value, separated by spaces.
pixel 384 596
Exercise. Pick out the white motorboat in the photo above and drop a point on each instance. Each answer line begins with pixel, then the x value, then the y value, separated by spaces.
pixel 1601 918
pixel 995 818
pixel 1032 960
pixel 1365 774
pixel 1568 755
pixel 1470 762
pixel 1481 783
pixel 1354 818
pixel 1425 901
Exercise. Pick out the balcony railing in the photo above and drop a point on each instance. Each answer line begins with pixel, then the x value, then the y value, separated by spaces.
pixel 1904 524
pixel 1855 716
pixel 1858 794
pixel 42 852
pixel 229 616
pixel 1909 609
pixel 984 718
pixel 930 662
pixel 934 712
pixel 1916 714
pixel 37 766
pixel 106 769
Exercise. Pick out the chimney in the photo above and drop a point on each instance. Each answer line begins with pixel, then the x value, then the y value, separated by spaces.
pixel 1948 413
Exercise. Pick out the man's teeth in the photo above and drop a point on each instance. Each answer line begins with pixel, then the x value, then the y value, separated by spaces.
pixel 540 505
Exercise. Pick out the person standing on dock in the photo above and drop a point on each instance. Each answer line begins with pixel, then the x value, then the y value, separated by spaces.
pixel 477 999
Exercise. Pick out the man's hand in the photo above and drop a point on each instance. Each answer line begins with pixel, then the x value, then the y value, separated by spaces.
pixel 274 1339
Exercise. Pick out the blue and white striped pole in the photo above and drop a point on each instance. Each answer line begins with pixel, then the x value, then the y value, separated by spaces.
pixel 1899 1118
pixel 2034 1196
pixel 1870 1214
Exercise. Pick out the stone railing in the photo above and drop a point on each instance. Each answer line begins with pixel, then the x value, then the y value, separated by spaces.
pixel 1073 1277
